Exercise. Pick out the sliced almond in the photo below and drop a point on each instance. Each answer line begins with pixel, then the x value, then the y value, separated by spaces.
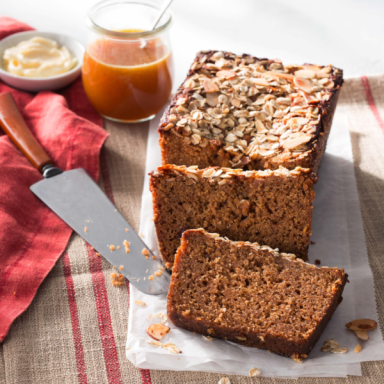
pixel 208 338
pixel 358 348
pixel 361 324
pixel 241 338
pixel 363 335
pixel 286 76
pixel 210 86
pixel 339 350
pixel 305 73
pixel 228 75
pixel 172 348
pixel 157 331
pixel 295 142
pixel 303 84
pixel 254 372
pixel 224 380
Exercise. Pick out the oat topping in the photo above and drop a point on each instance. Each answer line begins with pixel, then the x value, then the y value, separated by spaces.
pixel 252 108
pixel 172 348
pixel 333 346
pixel 221 175
pixel 154 343
pixel 339 350
pixel 160 315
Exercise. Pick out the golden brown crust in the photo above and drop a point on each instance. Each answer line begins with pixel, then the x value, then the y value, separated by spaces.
pixel 251 294
pixel 271 207
pixel 187 138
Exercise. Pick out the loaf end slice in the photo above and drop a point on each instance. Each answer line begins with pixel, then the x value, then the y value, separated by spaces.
pixel 251 294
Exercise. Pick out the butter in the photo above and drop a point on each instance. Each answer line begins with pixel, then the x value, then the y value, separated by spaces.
pixel 38 57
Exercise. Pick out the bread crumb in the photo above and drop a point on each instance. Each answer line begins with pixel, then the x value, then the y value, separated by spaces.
pixel 153 257
pixel 126 229
pixel 158 273
pixel 121 267
pixel 254 372
pixel 14 293
pixel 313 242
pixel 140 303
pixel 150 277
pixel 118 247
pixel 112 247
pixel 141 235
pixel 117 280
pixel 317 262
pixel 358 348
pixel 145 252
pixel 85 229
pixel 126 246
pixel 168 265
pixel 98 254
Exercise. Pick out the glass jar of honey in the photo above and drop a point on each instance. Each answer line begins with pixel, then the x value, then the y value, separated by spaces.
pixel 127 70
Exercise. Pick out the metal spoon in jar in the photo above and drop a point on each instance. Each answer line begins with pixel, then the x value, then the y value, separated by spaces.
pixel 162 11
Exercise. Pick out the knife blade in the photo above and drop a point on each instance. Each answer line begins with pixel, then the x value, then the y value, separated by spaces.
pixel 78 200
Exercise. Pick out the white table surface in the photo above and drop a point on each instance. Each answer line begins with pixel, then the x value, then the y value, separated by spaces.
pixel 346 33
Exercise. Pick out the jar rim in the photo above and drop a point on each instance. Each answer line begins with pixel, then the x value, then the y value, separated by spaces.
pixel 124 35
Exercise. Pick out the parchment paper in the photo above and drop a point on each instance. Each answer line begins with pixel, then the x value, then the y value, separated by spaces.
pixel 339 237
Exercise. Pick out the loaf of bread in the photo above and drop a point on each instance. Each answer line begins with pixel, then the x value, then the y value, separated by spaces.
pixel 243 112
pixel 251 294
pixel 269 207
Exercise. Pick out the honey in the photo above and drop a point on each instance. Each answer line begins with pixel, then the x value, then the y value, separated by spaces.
pixel 127 80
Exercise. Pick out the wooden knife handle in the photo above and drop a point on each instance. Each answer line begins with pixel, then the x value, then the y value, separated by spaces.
pixel 14 126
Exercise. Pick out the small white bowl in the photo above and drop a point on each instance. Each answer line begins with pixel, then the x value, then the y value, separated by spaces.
pixel 36 84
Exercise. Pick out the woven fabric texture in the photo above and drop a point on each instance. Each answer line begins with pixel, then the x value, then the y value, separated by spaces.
pixel 75 329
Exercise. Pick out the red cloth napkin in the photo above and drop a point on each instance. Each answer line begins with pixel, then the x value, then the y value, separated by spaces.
pixel 32 237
